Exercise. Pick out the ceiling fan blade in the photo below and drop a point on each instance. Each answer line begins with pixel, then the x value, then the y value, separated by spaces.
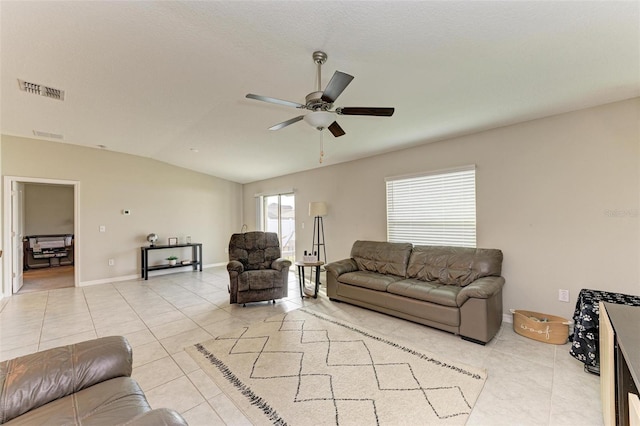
pixel 379 112
pixel 335 129
pixel 274 100
pixel 286 123
pixel 336 86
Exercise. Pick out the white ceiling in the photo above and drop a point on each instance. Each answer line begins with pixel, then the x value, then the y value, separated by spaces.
pixel 157 79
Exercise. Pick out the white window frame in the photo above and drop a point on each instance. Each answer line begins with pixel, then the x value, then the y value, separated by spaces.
pixel 433 208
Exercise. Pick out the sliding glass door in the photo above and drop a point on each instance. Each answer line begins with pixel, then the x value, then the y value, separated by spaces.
pixel 279 215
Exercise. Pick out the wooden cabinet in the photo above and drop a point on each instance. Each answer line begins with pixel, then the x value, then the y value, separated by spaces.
pixel 620 364
pixel 634 410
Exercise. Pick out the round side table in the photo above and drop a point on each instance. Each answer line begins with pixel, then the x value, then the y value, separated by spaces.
pixel 301 265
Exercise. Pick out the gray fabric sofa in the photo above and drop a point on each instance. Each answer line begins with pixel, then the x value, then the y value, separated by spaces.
pixel 86 383
pixel 256 270
pixel 455 289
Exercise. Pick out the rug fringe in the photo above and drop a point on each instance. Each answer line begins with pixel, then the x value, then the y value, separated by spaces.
pixel 244 389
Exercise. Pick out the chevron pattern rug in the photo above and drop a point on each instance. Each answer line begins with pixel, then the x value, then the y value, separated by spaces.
pixel 304 368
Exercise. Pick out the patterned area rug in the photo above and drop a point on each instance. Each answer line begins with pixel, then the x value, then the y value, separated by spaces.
pixel 303 368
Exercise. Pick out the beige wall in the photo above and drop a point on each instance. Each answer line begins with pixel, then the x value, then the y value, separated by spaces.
pixel 560 196
pixel 167 200
pixel 48 209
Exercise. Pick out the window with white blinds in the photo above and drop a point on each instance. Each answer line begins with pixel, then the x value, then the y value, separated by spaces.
pixel 436 208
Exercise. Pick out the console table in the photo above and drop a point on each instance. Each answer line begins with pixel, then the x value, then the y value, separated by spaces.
pixel 196 258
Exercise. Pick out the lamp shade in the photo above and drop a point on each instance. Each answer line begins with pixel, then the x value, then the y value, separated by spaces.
pixel 317 208
pixel 319 119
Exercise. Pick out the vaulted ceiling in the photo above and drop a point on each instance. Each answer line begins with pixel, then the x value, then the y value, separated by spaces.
pixel 167 80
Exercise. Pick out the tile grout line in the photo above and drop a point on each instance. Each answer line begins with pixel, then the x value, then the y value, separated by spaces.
pixel 44 316
pixel 169 355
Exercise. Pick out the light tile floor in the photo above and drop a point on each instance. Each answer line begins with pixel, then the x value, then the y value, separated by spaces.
pixel 530 383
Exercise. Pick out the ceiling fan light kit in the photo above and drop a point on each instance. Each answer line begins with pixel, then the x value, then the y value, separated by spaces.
pixel 320 102
pixel 319 119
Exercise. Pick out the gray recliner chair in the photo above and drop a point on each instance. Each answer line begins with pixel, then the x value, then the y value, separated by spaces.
pixel 256 270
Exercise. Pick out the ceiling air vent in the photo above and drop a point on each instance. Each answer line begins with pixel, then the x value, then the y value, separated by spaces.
pixel 47 135
pixel 38 89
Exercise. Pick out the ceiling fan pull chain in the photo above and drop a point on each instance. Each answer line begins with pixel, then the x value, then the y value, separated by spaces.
pixel 321 146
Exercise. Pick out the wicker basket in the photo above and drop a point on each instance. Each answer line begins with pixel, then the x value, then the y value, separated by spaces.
pixel 541 327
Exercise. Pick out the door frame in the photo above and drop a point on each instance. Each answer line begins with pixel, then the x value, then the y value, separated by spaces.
pixel 7 289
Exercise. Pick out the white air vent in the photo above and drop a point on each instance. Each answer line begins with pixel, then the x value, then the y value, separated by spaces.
pixel 47 135
pixel 38 89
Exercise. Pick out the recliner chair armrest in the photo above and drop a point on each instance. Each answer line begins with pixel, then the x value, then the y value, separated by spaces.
pixel 33 380
pixel 280 264
pixel 235 267
pixel 482 288
pixel 341 267
pixel 158 417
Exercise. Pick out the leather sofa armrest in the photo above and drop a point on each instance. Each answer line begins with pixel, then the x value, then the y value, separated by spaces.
pixel 158 417
pixel 33 380
pixel 280 264
pixel 235 267
pixel 341 267
pixel 482 288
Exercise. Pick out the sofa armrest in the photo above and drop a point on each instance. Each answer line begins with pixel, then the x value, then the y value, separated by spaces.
pixel 235 267
pixel 341 267
pixel 158 417
pixel 280 264
pixel 482 288
pixel 33 380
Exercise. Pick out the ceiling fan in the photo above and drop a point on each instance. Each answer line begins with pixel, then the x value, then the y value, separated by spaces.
pixel 320 103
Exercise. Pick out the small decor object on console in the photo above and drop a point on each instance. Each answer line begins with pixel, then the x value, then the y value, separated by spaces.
pixel 310 258
pixel 173 241
pixel 541 327
pixel 152 238
pixel 172 260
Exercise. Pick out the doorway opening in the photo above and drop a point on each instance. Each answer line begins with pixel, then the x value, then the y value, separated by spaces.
pixel 279 216
pixel 42 218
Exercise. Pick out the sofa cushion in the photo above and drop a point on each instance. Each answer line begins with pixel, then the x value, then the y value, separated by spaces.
pixel 112 402
pixel 382 257
pixel 367 279
pixel 36 379
pixel 458 266
pixel 259 280
pixel 428 291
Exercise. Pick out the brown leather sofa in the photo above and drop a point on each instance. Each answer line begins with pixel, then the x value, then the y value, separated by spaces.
pixel 455 289
pixel 256 271
pixel 88 383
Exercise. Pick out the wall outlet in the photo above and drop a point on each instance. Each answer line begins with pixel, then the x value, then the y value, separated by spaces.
pixel 563 295
pixel 112 262
pixel 103 228
pixel 226 250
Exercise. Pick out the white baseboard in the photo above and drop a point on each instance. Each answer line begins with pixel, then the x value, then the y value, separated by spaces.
pixel 108 280
pixel 136 276
pixel 507 318
pixel 213 265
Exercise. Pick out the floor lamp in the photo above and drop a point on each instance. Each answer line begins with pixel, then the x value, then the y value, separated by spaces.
pixel 318 209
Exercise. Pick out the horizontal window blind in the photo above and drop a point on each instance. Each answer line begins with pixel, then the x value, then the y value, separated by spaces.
pixel 433 209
